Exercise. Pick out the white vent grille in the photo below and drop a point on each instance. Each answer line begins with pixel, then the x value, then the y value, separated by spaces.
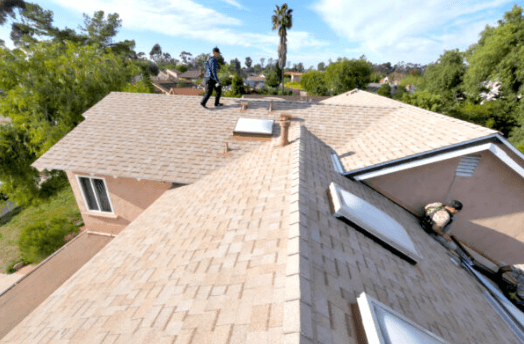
pixel 467 165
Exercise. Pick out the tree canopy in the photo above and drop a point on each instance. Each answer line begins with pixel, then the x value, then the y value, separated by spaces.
pixel 345 75
pixel 44 95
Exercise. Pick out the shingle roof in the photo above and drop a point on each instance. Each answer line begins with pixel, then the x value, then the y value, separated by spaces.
pixel 171 138
pixel 192 74
pixel 230 260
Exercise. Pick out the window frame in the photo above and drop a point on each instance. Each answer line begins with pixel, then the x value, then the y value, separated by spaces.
pixel 371 325
pixel 100 211
pixel 383 239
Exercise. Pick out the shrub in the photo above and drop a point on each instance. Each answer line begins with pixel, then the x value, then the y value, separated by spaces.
pixel 11 266
pixel 237 86
pixel 385 90
pixel 39 240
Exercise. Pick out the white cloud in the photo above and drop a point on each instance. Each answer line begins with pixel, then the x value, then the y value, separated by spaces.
pixel 186 18
pixel 407 30
pixel 234 3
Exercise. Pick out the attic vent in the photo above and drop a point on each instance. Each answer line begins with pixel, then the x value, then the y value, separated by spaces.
pixel 251 126
pixel 467 165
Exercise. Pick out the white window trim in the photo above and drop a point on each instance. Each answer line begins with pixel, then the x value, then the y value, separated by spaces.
pixel 96 196
pixel 338 205
pixel 371 324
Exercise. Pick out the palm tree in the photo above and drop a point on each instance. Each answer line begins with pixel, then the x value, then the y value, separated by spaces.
pixel 282 20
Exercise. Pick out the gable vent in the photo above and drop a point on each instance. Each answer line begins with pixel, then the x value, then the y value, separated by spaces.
pixel 467 165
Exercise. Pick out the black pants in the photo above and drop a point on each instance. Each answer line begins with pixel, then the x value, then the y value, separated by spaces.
pixel 210 86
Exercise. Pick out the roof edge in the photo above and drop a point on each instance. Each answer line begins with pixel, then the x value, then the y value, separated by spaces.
pixel 428 154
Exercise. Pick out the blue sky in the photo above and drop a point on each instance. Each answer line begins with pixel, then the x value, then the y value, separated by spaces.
pixel 401 30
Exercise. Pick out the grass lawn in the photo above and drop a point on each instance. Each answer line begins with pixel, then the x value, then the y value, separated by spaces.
pixel 62 204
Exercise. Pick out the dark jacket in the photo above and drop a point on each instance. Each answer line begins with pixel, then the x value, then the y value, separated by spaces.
pixel 211 68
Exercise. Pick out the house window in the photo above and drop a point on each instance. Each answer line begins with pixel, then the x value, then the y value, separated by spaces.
pixel 382 325
pixel 373 221
pixel 94 191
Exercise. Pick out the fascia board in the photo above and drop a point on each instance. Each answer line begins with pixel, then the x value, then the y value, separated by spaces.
pixel 433 159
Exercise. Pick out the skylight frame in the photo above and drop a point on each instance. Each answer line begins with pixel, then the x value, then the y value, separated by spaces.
pixel 254 126
pixel 371 324
pixel 342 211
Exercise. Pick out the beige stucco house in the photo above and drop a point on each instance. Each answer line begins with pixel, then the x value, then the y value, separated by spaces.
pixel 245 241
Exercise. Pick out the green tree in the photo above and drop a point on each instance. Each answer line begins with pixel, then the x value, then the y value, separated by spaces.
pixel 45 94
pixel 282 20
pixel 100 30
pixel 498 55
pixel 321 66
pixel 399 94
pixel 156 52
pixel 7 9
pixel 384 90
pixel 314 83
pixel 445 76
pixel 345 75
pixel 248 62
pixel 181 68
pixel 272 78
pixel 498 115
pixel 426 100
pixel 237 85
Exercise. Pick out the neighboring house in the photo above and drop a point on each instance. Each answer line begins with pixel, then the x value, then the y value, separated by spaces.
pixel 294 76
pixel 174 73
pixel 192 75
pixel 255 81
pixel 268 244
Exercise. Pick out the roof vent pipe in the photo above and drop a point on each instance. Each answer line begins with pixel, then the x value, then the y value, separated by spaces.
pixel 243 107
pixel 284 129
pixel 271 106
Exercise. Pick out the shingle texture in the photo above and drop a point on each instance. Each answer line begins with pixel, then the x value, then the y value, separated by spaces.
pixel 252 254
pixel 171 138
pixel 205 263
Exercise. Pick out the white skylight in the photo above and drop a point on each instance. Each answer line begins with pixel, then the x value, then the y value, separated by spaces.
pixel 383 325
pixel 254 126
pixel 372 220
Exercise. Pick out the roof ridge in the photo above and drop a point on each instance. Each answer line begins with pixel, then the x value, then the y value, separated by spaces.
pixel 429 112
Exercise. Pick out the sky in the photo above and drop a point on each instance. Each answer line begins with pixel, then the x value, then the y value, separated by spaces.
pixel 383 31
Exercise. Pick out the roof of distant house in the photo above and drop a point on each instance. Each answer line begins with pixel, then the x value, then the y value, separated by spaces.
pixel 172 138
pixel 252 253
pixel 192 74
pixel 293 73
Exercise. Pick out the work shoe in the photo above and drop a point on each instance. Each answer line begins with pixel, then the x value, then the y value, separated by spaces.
pixel 202 105
pixel 219 104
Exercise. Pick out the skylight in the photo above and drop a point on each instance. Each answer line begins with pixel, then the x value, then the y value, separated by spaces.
pixel 372 220
pixel 254 126
pixel 382 325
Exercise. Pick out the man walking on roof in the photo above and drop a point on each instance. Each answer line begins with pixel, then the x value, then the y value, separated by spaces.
pixel 211 81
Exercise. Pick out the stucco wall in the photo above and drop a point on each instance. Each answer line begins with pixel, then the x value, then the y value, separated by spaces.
pixel 129 198
pixel 493 216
